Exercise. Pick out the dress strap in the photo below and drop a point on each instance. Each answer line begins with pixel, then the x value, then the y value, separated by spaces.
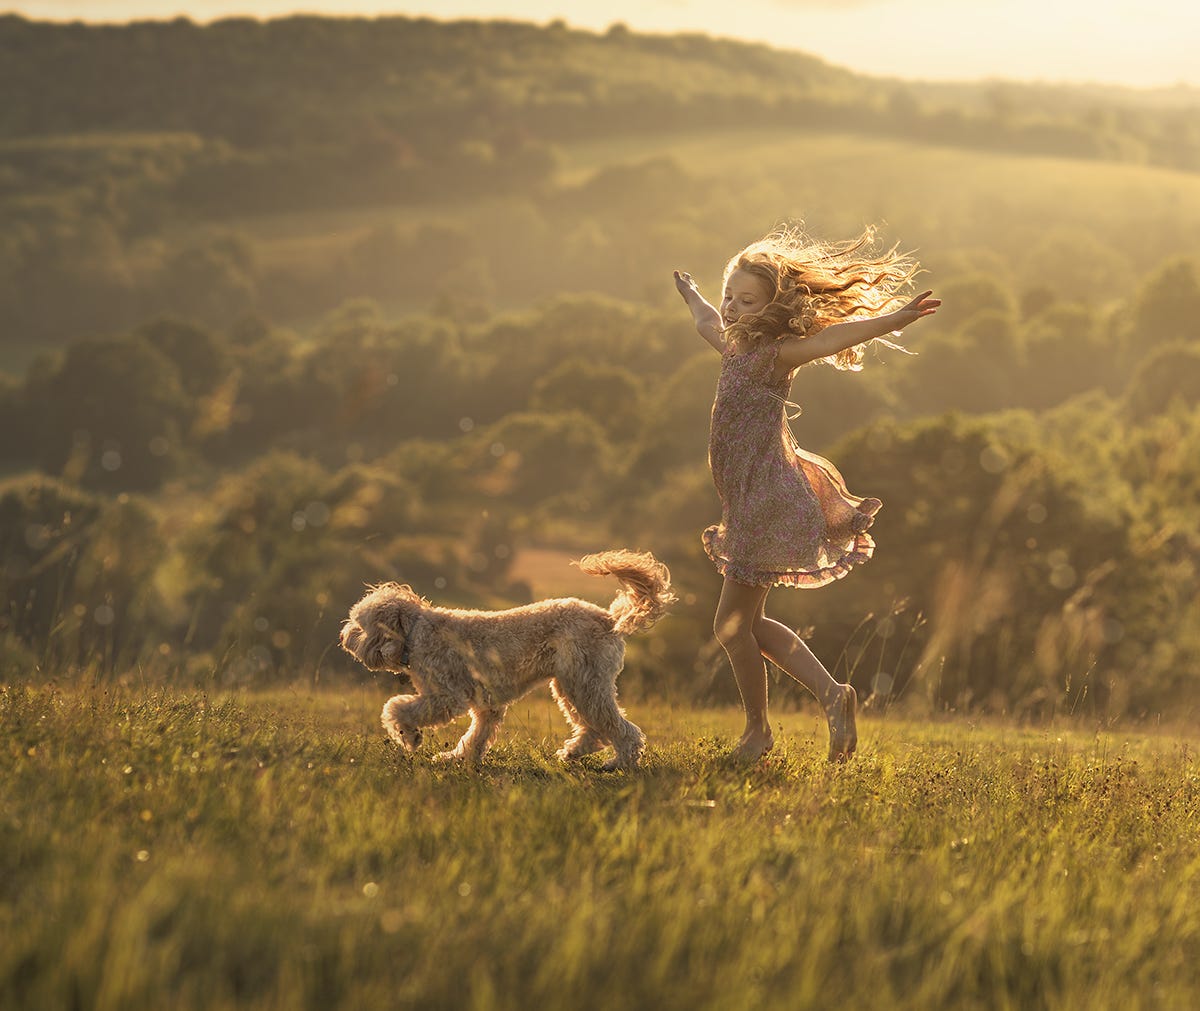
pixel 786 404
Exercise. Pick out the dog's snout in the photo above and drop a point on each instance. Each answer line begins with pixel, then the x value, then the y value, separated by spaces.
pixel 351 636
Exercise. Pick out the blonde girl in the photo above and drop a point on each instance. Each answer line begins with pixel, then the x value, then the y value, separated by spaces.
pixel 787 518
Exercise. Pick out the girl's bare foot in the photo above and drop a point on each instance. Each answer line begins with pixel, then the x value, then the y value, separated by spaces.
pixel 843 733
pixel 753 745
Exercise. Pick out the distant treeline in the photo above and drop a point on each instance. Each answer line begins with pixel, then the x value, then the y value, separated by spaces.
pixel 400 92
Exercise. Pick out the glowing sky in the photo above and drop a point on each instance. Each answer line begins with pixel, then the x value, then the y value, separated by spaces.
pixel 1136 42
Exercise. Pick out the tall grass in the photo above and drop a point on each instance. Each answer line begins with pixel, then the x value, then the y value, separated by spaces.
pixel 161 849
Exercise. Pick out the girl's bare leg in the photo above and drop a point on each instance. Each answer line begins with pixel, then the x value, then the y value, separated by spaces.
pixel 738 609
pixel 791 654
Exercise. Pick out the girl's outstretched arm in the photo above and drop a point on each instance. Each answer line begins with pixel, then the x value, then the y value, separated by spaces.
pixel 706 317
pixel 798 351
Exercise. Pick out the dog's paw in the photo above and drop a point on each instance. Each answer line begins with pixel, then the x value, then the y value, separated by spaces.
pixel 567 753
pixel 448 757
pixel 409 740
pixel 577 747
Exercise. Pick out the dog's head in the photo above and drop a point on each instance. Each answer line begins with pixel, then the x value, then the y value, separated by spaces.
pixel 377 630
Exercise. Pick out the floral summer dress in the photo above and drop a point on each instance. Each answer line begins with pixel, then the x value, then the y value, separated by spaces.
pixel 787 518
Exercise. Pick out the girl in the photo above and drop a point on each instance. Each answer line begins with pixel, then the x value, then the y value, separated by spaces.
pixel 787 518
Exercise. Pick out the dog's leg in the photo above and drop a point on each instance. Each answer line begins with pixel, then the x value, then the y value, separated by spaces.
pixel 595 700
pixel 404 715
pixel 582 741
pixel 474 744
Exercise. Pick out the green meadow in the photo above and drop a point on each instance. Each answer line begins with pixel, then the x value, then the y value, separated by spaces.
pixel 176 849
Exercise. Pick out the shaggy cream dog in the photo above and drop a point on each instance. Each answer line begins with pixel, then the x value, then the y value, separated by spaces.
pixel 480 661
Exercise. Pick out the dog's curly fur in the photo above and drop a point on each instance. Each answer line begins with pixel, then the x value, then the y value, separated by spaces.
pixel 481 661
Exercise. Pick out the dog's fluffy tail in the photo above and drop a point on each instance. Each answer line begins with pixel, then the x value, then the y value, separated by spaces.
pixel 645 591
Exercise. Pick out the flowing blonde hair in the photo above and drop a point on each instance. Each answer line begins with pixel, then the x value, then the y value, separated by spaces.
pixel 816 283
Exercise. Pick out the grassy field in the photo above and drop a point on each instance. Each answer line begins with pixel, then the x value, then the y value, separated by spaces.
pixel 170 849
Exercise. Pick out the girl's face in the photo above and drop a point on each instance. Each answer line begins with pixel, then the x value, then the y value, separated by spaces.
pixel 744 293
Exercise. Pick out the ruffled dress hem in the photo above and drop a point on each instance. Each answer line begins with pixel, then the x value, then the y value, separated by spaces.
pixel 856 554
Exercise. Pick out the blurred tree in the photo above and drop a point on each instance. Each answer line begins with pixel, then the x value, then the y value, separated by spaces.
pixel 111 414
pixel 76 583
pixel 1081 268
pixel 44 527
pixel 1167 375
pixel 262 400
pixel 608 394
pixel 1166 308
pixel 201 359
pixel 1066 353
pixel 976 371
pixel 531 457
pixel 214 281
pixel 676 429
pixel 968 295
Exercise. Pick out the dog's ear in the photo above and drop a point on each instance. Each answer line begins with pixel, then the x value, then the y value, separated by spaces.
pixel 386 618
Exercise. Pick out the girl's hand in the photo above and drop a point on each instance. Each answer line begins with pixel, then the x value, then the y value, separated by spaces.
pixel 920 306
pixel 685 285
